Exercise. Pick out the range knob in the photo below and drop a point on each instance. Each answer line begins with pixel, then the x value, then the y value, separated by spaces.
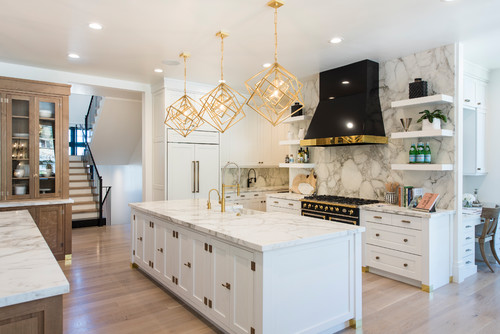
pixel 351 211
pixel 331 208
pixel 316 207
pixel 344 210
pixel 308 206
pixel 304 205
pixel 321 207
pixel 337 209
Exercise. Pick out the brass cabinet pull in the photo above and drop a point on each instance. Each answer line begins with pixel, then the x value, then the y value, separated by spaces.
pixel 376 257
pixel 406 264
pixel 188 264
pixel 479 103
pixel 256 194
pixel 467 262
pixel 242 195
pixel 140 238
pixel 405 221
pixel 467 100
pixel 377 235
pixel 468 238
pixel 405 240
pixel 160 250
pixel 468 226
pixel 468 250
pixel 290 204
pixel 227 286
pixel 275 202
pixel 377 217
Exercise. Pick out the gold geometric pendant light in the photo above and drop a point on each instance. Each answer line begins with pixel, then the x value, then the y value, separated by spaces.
pixel 275 91
pixel 223 105
pixel 182 115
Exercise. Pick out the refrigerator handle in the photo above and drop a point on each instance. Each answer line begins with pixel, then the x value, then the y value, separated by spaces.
pixel 194 177
pixel 197 176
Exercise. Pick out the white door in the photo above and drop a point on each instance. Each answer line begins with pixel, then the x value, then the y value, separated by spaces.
pixel 221 283
pixel 139 241
pixel 207 169
pixel 469 92
pixel 469 143
pixel 242 302
pixel 200 270
pixel 159 258
pixel 185 281
pixel 481 88
pixel 180 171
pixel 171 257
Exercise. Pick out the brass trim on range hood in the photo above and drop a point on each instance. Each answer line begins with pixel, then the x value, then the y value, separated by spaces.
pixel 345 140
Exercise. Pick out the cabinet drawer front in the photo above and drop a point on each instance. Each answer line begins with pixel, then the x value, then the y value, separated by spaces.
pixel 402 239
pixel 468 249
pixel 283 203
pixel 395 262
pixel 408 222
pixel 378 217
pixel 468 235
pixel 469 260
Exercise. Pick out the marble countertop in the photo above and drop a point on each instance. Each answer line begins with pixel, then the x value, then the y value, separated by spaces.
pixel 287 196
pixel 472 212
pixel 28 270
pixel 389 208
pixel 257 230
pixel 257 189
pixel 35 203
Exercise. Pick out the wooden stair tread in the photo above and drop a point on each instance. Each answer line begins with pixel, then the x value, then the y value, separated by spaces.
pixel 85 203
pixel 85 211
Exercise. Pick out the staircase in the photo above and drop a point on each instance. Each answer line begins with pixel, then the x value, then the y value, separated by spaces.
pixel 86 205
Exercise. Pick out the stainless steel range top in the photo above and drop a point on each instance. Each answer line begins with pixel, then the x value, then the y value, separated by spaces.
pixel 334 208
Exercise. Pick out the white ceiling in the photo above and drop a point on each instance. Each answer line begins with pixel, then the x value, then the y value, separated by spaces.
pixel 139 35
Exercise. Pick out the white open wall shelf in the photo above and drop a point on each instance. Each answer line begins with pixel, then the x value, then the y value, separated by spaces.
pixel 297 165
pixel 290 142
pixel 421 101
pixel 421 167
pixel 293 119
pixel 426 133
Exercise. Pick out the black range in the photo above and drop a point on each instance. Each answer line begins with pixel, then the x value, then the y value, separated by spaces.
pixel 334 208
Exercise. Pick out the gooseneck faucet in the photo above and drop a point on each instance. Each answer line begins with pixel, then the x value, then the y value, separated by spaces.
pixel 224 186
pixel 251 180
pixel 209 205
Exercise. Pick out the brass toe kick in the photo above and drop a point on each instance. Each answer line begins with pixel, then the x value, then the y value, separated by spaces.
pixel 134 265
pixel 427 288
pixel 353 323
pixel 365 269
pixel 68 257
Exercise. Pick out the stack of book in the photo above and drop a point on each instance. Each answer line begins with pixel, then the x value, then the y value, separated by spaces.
pixel 409 196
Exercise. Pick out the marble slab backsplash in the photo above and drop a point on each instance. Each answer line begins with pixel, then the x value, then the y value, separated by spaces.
pixel 266 177
pixel 363 170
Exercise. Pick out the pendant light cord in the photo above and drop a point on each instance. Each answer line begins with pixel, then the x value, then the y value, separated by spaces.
pixel 221 58
pixel 276 34
pixel 185 75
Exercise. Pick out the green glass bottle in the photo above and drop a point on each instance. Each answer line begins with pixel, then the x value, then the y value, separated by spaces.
pixel 420 153
pixel 413 154
pixel 427 153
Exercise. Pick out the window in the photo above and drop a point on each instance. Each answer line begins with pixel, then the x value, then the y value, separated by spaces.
pixel 76 141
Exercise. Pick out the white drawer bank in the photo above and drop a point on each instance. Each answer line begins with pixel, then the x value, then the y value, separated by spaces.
pixel 253 273
pixel 409 246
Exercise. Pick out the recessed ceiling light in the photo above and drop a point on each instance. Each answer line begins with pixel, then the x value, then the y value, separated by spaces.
pixel 331 97
pixel 95 26
pixel 73 56
pixel 336 40
pixel 345 82
pixel 266 65
pixel 158 70
pixel 349 125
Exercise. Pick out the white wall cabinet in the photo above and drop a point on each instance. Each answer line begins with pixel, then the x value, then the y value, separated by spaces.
pixel 474 141
pixel 409 248
pixel 192 168
pixel 217 277
pixel 474 93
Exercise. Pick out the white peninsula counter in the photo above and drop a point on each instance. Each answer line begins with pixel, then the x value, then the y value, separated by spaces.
pixel 31 281
pixel 251 271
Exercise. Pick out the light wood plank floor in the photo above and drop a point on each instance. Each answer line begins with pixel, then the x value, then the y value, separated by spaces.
pixel 107 296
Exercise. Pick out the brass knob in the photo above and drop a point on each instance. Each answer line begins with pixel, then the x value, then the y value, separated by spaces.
pixel 140 238
pixel 321 207
pixel 377 235
pixel 406 264
pixel 160 250
pixel 309 206
pixel 337 209
pixel 344 210
pixel 376 257
pixel 188 264
pixel 331 208
pixel 405 240
pixel 315 207
pixel 351 211
pixel 227 286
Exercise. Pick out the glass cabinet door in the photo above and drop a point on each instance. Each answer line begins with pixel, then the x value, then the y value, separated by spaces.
pixel 47 159
pixel 19 183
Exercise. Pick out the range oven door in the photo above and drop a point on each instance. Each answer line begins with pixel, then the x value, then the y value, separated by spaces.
pixel 313 214
pixel 330 217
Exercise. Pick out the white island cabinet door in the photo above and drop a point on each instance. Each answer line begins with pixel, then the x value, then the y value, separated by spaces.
pixel 242 291
pixel 139 240
pixel 220 283
pixel 207 169
pixel 200 270
pixel 185 282
pixel 181 171
pixel 159 250
pixel 171 257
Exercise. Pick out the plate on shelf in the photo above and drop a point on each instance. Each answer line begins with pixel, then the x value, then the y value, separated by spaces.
pixel 46 113
pixel 18 134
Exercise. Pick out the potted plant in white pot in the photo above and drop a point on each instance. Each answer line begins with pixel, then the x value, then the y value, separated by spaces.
pixel 432 120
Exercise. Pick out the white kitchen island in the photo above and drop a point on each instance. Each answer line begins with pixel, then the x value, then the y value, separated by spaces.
pixel 251 271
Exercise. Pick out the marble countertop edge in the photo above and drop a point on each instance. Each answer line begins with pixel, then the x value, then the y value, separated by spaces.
pixel 34 295
pixel 14 204
pixel 390 208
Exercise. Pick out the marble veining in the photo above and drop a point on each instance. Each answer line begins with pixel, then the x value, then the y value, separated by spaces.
pixel 394 209
pixel 266 177
pixel 36 203
pixel 28 270
pixel 362 171
pixel 257 230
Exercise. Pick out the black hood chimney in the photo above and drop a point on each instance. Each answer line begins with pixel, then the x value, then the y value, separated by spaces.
pixel 349 109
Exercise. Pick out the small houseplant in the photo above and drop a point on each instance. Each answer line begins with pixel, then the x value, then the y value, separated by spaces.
pixel 432 120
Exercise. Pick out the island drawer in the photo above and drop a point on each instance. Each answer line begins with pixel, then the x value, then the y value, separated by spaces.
pixel 397 238
pixel 284 203
pixel 400 263
pixel 407 222
pixel 378 217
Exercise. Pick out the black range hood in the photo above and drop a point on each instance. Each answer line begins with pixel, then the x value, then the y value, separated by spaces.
pixel 349 109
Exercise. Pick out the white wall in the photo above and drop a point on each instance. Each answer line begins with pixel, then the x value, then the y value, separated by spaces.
pixel 126 183
pixel 78 108
pixel 488 185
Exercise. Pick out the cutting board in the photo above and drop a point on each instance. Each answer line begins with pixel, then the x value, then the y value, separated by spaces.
pixel 307 179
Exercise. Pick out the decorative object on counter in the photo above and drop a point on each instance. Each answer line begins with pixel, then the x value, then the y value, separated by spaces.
pixel 406 123
pixel 296 109
pixel 409 196
pixel 428 202
pixel 390 192
pixel 413 154
pixel 475 202
pixel 274 91
pixel 432 120
pixel 468 199
pixel 417 88
pixel 301 133
pixel 182 115
pixel 223 105
pixel 304 184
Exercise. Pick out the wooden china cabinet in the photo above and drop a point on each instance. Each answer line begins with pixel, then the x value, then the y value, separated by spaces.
pixel 34 157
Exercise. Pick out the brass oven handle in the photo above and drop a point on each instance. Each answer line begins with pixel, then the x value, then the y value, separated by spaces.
pixel 342 220
pixel 313 215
